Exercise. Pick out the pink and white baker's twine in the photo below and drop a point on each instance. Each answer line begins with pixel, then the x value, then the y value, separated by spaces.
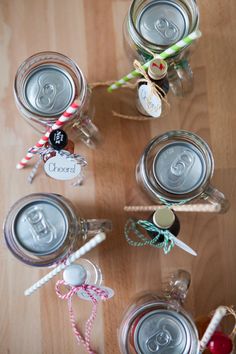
pixel 64 118
pixel 89 290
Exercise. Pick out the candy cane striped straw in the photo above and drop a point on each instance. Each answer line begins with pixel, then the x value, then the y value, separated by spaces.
pixel 215 321
pixel 100 237
pixel 167 53
pixel 65 117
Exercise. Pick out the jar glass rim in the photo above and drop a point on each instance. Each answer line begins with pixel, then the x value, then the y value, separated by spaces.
pixel 39 59
pixel 141 40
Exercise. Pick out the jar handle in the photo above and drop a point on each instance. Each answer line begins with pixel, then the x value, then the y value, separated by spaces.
pixel 217 198
pixel 88 132
pixel 178 285
pixel 93 226
pixel 180 77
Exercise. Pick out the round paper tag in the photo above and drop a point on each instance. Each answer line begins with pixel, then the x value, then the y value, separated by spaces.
pixel 83 295
pixel 62 168
pixel 151 103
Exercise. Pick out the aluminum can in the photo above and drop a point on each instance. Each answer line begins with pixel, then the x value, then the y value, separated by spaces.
pixel 156 322
pixel 155 25
pixel 177 167
pixel 42 229
pixel 45 86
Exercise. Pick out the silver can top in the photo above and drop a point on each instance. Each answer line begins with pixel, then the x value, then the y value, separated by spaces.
pixel 179 167
pixel 48 90
pixel 163 22
pixel 163 331
pixel 40 227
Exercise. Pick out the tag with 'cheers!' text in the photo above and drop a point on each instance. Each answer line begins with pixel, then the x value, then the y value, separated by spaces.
pixel 62 168
pixel 150 102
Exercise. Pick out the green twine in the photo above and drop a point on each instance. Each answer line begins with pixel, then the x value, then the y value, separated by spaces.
pixel 170 205
pixel 131 226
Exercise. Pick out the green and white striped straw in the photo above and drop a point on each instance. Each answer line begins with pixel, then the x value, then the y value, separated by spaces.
pixel 167 53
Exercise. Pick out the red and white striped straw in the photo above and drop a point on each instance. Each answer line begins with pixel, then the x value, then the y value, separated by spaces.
pixel 64 118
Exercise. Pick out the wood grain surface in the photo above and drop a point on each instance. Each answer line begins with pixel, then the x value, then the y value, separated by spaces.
pixel 90 32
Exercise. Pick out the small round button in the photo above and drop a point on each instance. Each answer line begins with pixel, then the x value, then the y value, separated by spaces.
pixel 74 275
pixel 58 139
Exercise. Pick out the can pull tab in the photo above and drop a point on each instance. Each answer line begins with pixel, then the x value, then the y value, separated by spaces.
pixel 49 87
pixel 159 340
pixel 180 168
pixel 41 229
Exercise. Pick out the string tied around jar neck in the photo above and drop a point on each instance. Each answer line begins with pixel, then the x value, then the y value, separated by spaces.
pixel 163 238
pixel 131 226
pixel 47 151
pixel 95 294
pixel 155 89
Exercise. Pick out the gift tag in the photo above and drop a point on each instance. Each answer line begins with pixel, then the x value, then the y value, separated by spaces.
pixel 83 295
pixel 150 102
pixel 62 167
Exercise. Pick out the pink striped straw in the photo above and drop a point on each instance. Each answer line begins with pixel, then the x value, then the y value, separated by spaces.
pixel 64 118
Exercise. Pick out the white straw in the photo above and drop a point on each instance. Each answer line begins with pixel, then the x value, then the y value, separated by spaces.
pixel 100 237
pixel 216 319
pixel 206 208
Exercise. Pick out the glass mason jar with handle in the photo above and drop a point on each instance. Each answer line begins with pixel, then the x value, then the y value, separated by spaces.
pixel 155 25
pixel 42 229
pixel 46 84
pixel 157 323
pixel 177 167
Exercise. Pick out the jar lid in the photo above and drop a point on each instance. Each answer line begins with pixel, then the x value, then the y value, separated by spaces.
pixel 164 22
pixel 164 331
pixel 49 90
pixel 40 227
pixel 163 218
pixel 58 139
pixel 179 167
pixel 157 69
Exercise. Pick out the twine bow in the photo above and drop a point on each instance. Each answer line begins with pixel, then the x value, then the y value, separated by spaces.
pixel 131 226
pixel 155 89
pixel 90 290
pixel 47 151
pixel 231 312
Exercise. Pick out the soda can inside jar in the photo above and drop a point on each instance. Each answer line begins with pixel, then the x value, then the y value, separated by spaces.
pixel 153 26
pixel 45 86
pixel 43 229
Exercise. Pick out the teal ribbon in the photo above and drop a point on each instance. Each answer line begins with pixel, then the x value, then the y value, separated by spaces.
pixel 169 204
pixel 131 227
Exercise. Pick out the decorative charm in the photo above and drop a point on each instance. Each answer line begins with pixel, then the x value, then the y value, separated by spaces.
pixel 75 278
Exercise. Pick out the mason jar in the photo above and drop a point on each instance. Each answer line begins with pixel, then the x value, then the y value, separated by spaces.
pixel 177 167
pixel 42 229
pixel 155 25
pixel 156 322
pixel 46 84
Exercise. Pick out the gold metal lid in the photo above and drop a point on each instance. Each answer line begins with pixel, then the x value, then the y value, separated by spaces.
pixel 157 69
pixel 163 218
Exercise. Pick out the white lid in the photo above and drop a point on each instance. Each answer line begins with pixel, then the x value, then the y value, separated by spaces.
pixel 74 275
pixel 157 69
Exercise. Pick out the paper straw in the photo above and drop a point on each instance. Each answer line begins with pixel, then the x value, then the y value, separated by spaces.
pixel 215 321
pixel 59 123
pixel 167 53
pixel 100 237
pixel 205 208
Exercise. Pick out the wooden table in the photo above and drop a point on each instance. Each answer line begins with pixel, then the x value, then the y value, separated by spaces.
pixel 90 32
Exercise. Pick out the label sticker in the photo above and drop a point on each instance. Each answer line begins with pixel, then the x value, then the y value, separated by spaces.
pixel 150 102
pixel 62 168
pixel 83 295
